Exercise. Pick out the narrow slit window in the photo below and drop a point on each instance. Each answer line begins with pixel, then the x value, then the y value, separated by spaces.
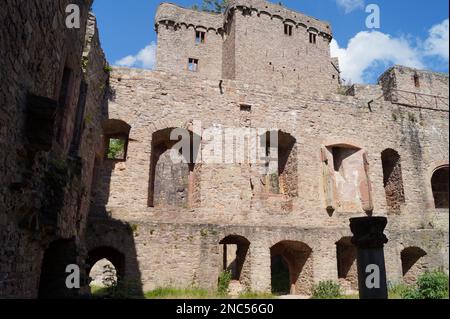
pixel 200 37
pixel 193 65
pixel 312 38
pixel 416 81
pixel 288 29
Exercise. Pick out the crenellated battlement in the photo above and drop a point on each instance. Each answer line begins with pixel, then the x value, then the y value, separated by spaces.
pixel 174 15
pixel 169 14
pixel 285 15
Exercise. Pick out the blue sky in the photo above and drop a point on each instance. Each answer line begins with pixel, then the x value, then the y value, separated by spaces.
pixel 411 32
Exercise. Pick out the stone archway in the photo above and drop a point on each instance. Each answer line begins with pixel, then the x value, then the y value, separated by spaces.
pixel 346 264
pixel 235 256
pixel 296 258
pixel 413 263
pixel 116 258
pixel 52 282
pixel 440 187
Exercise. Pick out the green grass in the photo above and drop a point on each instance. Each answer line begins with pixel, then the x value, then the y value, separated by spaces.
pixel 256 295
pixel 179 293
pixel 348 297
pixel 397 291
pixel 193 293
pixel 99 291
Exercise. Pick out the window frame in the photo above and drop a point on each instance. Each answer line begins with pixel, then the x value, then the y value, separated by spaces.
pixel 200 37
pixel 194 62
pixel 312 38
pixel 118 136
pixel 288 30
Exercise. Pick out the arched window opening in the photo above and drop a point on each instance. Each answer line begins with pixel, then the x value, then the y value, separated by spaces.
pixel 174 176
pixel 413 263
pixel 281 163
pixel 439 184
pixel 346 264
pixel 392 180
pixel 235 258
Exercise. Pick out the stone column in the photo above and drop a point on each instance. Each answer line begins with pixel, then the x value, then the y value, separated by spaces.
pixel 369 239
pixel 260 275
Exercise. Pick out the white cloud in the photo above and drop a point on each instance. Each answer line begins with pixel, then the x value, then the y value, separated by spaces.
pixel 367 49
pixel 437 42
pixel 350 5
pixel 146 58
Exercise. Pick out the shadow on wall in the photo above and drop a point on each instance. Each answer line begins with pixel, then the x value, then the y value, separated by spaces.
pixel 113 240
pixel 58 255
pixel 106 237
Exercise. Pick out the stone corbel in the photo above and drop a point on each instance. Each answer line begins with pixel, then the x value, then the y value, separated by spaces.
pixel 365 187
pixel 329 183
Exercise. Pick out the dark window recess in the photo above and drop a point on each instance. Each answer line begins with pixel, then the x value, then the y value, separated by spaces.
pixel 245 108
pixel 79 121
pixel 200 37
pixel 416 81
pixel 312 38
pixel 40 121
pixel 288 29
pixel 440 187
pixel 193 65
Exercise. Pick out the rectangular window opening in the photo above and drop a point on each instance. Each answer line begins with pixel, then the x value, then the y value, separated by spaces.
pixel 193 65
pixel 200 37
pixel 288 29
pixel 245 108
pixel 116 148
pixel 416 81
pixel 312 38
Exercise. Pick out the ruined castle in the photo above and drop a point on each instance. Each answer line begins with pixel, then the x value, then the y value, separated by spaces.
pixel 87 174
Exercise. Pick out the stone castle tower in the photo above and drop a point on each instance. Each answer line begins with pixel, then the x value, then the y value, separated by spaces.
pixel 253 41
pixel 113 191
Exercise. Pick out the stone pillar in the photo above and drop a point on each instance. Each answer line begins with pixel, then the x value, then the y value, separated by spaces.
pixel 260 275
pixel 324 256
pixel 369 239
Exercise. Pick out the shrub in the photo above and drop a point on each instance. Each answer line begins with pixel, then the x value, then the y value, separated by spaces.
pixel 327 290
pixel 433 285
pixel 224 283
pixel 401 291
pixel 430 285
pixel 116 148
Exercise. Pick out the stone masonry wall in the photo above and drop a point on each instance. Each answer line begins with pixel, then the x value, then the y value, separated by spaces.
pixel 230 205
pixel 44 176
pixel 416 87
pixel 176 28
